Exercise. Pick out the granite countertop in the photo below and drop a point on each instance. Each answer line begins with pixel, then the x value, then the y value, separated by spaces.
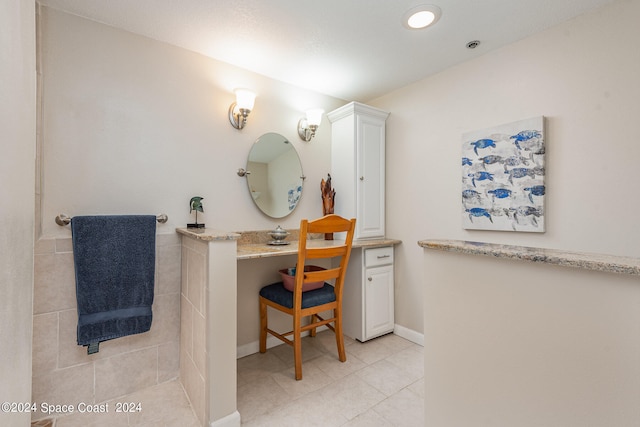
pixel 254 244
pixel 263 250
pixel 585 260
pixel 207 234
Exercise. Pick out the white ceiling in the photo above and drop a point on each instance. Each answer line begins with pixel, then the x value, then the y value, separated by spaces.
pixel 349 49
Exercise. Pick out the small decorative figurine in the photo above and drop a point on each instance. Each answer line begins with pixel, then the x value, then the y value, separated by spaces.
pixel 196 205
pixel 328 197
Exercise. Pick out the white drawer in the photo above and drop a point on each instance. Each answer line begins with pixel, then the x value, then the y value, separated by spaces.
pixel 378 256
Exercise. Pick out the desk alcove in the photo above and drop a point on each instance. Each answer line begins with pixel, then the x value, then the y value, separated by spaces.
pixel 221 276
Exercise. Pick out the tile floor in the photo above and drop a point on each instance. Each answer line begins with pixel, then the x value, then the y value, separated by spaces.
pixel 380 384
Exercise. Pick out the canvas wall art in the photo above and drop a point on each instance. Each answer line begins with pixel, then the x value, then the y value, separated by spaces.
pixel 503 177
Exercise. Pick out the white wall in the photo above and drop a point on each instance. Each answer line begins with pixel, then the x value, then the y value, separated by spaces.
pixel 132 125
pixel 505 343
pixel 511 343
pixel 17 175
pixel 582 76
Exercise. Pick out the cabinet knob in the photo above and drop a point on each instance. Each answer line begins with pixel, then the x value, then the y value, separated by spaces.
pixel 362 178
pixel 370 279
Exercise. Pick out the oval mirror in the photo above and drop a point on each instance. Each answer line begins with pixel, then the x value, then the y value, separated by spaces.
pixel 275 178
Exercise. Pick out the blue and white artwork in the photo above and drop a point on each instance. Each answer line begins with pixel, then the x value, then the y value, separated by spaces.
pixel 503 177
pixel 293 196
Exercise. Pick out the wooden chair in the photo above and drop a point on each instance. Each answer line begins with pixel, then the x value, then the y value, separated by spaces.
pixel 311 303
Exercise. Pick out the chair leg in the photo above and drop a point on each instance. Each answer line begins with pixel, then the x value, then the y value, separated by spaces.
pixel 339 337
pixel 312 332
pixel 263 326
pixel 297 347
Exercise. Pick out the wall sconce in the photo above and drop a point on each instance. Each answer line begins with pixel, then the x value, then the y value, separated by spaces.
pixel 239 110
pixel 307 126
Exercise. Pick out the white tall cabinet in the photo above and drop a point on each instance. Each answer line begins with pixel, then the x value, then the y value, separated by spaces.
pixel 358 166
pixel 358 176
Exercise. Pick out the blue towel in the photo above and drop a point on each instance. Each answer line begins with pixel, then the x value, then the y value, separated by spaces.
pixel 114 259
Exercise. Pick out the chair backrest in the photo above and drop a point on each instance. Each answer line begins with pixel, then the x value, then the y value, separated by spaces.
pixel 324 249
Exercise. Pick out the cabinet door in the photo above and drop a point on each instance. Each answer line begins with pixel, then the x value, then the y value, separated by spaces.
pixel 378 283
pixel 370 170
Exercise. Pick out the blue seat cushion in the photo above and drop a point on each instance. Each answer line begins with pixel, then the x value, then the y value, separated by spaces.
pixel 277 293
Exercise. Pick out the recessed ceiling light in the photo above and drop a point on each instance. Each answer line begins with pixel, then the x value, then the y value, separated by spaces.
pixel 421 16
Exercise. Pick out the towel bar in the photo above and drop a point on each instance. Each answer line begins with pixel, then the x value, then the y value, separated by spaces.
pixel 63 219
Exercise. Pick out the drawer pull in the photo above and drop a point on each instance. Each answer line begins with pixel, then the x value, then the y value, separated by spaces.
pixel 383 256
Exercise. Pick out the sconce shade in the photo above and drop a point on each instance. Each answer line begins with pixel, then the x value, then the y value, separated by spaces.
pixel 239 110
pixel 245 99
pixel 314 117
pixel 307 126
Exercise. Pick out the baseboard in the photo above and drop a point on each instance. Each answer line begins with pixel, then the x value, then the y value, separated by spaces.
pixel 409 334
pixel 254 347
pixel 231 420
